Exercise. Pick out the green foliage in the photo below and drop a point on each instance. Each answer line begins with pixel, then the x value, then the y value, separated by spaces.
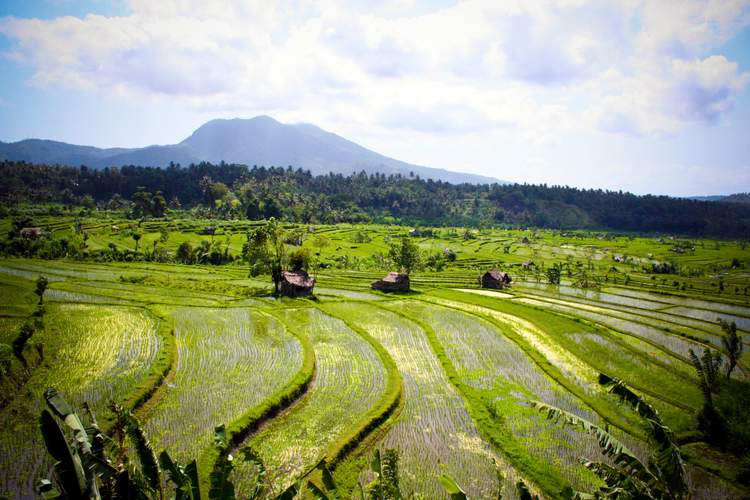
pixel 732 343
pixel 185 253
pixel 265 251
pixel 385 486
pixel 25 332
pixel 707 367
pixel 406 255
pixel 185 478
pixel 554 273
pixel 732 405
pixel 146 454
pixel 361 237
pixel 6 359
pixel 452 487
pixel 136 238
pixel 221 488
pixel 663 477
pixel 296 195
pixel 41 287
pixel 299 259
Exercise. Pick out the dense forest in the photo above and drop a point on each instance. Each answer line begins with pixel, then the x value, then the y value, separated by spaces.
pixel 237 191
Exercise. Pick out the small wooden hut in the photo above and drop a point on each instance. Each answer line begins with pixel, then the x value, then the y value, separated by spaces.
pixel 495 279
pixel 31 232
pixel 393 282
pixel 296 284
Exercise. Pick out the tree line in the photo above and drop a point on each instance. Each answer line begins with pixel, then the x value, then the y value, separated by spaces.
pixel 238 191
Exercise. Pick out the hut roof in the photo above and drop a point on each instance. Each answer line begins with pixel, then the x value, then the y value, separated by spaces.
pixel 392 282
pixel 497 275
pixel 298 278
pixel 396 278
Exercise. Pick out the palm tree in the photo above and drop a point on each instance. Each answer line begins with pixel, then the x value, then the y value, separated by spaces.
pixel 707 368
pixel 136 237
pixel 732 344
pixel 662 477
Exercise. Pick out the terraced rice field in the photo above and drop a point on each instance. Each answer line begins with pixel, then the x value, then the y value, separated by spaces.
pixel 581 361
pixel 99 354
pixel 434 433
pixel 468 361
pixel 228 360
pixel 349 380
pixel 672 344
pixel 502 373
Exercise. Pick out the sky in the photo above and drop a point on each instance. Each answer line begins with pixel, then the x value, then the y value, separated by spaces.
pixel 647 96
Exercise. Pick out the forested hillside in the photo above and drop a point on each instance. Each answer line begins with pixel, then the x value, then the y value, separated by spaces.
pixel 237 191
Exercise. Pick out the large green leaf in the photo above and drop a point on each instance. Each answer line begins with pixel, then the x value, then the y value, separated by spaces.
pixel 62 409
pixel 68 467
pixel 221 488
pixel 667 463
pixel 317 493
pixel 452 487
pixel 191 471
pixel 611 447
pixel 290 493
pixel 326 476
pixel 174 474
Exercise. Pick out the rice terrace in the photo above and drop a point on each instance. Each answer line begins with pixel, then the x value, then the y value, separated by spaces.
pixel 374 250
pixel 454 376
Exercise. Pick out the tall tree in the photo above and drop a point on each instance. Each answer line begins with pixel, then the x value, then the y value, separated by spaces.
pixel 136 237
pixel 41 287
pixel 707 367
pixel 732 343
pixel 265 251
pixel 406 255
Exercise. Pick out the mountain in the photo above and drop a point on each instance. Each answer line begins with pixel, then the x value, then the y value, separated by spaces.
pixel 256 141
pixel 728 198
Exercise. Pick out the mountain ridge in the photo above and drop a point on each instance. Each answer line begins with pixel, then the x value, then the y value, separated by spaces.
pixel 255 141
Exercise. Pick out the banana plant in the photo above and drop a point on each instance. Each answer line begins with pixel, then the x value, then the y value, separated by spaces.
pixel 79 467
pixel 328 489
pixel 221 486
pixel 185 478
pixel 83 469
pixel 385 486
pixel 663 477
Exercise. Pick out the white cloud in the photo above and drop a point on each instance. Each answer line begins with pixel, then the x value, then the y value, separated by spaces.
pixel 542 68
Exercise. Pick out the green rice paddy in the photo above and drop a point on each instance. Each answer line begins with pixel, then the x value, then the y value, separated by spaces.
pixel 443 374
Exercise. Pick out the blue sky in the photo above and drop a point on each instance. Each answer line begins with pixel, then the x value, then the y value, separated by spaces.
pixel 639 95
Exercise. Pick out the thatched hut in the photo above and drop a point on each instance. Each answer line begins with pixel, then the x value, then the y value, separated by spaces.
pixel 31 232
pixel 296 284
pixel 393 282
pixel 495 279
